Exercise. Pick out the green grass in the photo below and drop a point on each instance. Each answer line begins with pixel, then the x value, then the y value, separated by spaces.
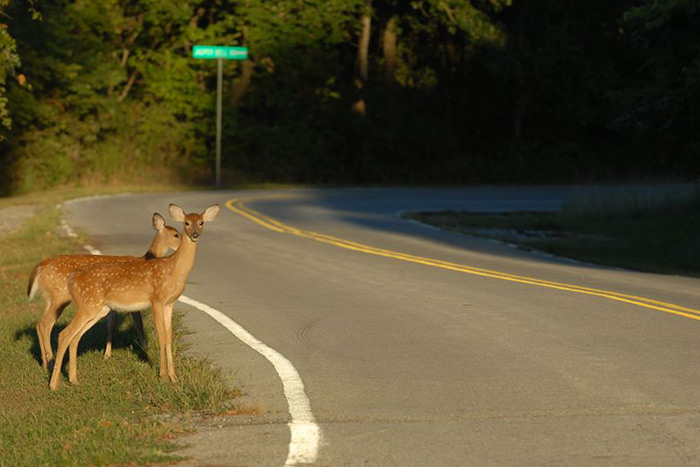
pixel 631 231
pixel 121 412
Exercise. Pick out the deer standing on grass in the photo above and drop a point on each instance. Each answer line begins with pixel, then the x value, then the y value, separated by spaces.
pixel 130 286
pixel 50 277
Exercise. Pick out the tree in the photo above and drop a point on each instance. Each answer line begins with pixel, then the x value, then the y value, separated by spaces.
pixel 116 95
pixel 9 62
pixel 661 107
pixel 349 91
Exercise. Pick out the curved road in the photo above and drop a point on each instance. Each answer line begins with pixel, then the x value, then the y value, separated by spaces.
pixel 419 347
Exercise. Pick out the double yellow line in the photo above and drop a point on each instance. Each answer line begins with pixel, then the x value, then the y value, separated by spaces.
pixel 238 206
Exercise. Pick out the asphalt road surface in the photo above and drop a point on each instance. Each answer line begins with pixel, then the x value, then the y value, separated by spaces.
pixel 418 347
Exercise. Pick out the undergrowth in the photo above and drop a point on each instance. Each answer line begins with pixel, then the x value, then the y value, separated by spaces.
pixel 629 230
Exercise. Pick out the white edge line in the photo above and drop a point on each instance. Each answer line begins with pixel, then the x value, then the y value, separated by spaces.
pixel 305 433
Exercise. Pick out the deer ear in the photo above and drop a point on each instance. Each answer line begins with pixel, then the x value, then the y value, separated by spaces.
pixel 210 213
pixel 158 221
pixel 176 212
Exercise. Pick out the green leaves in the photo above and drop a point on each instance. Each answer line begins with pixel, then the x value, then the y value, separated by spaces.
pixel 454 90
pixel 9 60
pixel 661 107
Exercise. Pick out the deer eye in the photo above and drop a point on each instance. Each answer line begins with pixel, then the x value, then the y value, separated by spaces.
pixel 177 235
pixel 201 223
pixel 187 223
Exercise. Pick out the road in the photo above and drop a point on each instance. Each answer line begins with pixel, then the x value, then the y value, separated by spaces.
pixel 418 347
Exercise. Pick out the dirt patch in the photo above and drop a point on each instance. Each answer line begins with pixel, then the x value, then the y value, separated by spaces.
pixel 12 217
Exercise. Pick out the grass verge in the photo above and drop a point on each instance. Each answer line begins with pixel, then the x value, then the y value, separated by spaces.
pixel 630 231
pixel 121 412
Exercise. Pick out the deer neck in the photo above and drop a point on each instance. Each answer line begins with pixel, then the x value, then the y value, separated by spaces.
pixel 184 257
pixel 156 250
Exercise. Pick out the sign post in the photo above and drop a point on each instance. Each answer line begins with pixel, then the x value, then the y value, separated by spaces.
pixel 219 53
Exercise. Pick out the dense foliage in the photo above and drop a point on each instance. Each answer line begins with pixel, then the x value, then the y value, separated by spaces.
pixel 349 91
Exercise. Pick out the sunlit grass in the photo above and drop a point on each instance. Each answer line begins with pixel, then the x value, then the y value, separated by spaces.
pixel 117 414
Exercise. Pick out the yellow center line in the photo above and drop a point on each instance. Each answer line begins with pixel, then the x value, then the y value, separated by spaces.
pixel 238 206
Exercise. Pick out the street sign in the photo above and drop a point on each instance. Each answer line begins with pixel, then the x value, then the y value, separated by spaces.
pixel 218 53
pixel 212 52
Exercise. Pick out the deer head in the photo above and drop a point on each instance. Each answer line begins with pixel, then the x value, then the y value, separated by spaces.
pixel 193 223
pixel 167 238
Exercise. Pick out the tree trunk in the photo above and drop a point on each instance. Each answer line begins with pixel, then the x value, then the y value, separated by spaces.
pixel 241 85
pixel 363 44
pixel 362 64
pixel 129 84
pixel 389 49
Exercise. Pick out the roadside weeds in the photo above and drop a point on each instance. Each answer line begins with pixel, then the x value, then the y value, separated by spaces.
pixel 651 235
pixel 121 412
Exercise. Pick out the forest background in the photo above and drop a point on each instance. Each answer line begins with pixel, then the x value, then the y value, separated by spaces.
pixel 349 91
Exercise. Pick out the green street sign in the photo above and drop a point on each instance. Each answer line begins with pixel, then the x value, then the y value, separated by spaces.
pixel 213 52
pixel 218 53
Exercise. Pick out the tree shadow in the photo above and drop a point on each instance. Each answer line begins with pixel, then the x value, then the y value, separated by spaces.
pixel 125 336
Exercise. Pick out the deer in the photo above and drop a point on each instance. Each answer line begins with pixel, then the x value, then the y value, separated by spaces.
pixel 50 277
pixel 130 286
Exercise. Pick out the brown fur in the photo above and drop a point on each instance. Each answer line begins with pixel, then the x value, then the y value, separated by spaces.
pixel 51 276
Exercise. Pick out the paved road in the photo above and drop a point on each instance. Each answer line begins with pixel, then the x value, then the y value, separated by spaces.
pixel 410 363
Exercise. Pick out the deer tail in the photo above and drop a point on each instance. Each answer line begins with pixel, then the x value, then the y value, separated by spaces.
pixel 33 284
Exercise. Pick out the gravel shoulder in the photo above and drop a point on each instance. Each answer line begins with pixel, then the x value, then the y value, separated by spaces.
pixel 13 217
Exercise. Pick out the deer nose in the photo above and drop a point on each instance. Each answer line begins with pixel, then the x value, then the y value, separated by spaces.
pixel 195 235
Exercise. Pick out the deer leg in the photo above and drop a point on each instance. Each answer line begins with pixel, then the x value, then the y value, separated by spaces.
pixel 168 321
pixel 111 322
pixel 159 322
pixel 65 337
pixel 53 310
pixel 138 326
pixel 73 360
pixel 44 346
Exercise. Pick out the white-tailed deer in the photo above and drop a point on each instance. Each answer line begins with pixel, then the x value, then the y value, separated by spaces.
pixel 50 277
pixel 129 286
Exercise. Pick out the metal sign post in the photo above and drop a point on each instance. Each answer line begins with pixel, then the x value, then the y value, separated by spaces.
pixel 219 79
pixel 219 53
